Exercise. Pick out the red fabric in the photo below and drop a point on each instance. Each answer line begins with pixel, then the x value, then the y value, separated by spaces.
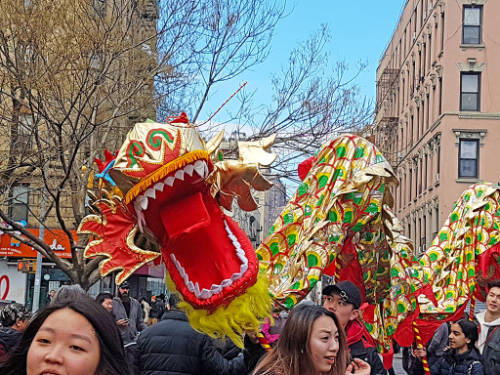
pixel 185 215
pixel 305 167
pixel 368 312
pixel 101 165
pixel 405 335
pixel 489 267
pixel 427 291
pixel 356 331
pixel 207 254
pixel 113 229
pixel 350 267
pixel 330 269
pixel 387 358
pixel 182 118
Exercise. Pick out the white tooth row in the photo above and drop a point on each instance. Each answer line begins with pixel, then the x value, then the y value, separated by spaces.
pixel 215 288
pixel 141 202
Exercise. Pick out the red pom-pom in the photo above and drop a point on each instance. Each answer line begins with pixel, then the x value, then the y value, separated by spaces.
pixel 305 167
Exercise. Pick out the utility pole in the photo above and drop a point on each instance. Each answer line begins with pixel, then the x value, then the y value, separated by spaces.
pixel 39 259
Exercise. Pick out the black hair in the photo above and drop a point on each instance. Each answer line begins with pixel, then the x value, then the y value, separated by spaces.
pixel 493 284
pixel 173 300
pixel 469 328
pixel 101 297
pixel 68 293
pixel 112 358
pixel 11 312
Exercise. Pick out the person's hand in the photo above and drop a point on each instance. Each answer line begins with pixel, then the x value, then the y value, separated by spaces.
pixel 420 353
pixel 358 367
pixel 122 322
pixel 253 337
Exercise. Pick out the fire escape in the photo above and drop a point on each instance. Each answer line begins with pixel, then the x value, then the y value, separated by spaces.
pixel 387 126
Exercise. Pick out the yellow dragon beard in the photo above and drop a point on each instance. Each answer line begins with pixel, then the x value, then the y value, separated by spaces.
pixel 243 314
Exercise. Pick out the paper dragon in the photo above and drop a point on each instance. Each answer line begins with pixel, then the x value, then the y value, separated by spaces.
pixel 173 194
pixel 172 190
pixel 339 223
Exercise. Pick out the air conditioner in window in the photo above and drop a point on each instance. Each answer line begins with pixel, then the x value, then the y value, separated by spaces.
pixel 437 177
pixel 414 36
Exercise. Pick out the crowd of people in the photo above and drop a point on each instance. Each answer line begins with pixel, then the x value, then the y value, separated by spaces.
pixel 76 334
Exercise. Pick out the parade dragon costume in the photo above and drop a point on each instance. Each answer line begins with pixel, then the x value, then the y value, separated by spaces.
pixel 339 223
pixel 174 186
pixel 463 257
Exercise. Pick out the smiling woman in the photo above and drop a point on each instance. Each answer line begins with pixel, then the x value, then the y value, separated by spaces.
pixel 74 337
pixel 311 343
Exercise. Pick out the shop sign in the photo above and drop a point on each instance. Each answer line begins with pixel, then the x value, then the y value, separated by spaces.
pixel 12 283
pixel 55 238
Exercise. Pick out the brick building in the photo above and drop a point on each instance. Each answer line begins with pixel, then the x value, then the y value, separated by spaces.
pixel 438 113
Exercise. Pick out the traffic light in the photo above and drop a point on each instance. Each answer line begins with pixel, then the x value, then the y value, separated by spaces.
pixel 26 265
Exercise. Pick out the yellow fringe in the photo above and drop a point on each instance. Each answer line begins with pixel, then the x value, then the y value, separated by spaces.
pixel 164 171
pixel 244 313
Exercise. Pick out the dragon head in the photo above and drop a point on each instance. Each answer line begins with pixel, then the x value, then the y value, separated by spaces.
pixel 174 191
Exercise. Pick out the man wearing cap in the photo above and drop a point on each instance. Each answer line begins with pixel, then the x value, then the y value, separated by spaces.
pixel 128 314
pixel 344 300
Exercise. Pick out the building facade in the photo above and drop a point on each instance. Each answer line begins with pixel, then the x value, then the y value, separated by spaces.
pixel 21 193
pixel 438 113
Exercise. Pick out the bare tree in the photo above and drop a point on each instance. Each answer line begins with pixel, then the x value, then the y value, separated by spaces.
pixel 75 75
pixel 312 101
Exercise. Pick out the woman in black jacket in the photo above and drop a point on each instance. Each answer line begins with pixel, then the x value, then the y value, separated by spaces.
pixel 461 357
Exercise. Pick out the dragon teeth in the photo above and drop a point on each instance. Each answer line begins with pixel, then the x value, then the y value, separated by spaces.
pixel 142 201
pixel 159 186
pixel 199 167
pixel 170 181
pixel 179 175
pixel 189 169
pixel 150 193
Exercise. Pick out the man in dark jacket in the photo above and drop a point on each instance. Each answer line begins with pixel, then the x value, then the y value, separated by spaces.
pixel 173 347
pixel 344 300
pixel 14 319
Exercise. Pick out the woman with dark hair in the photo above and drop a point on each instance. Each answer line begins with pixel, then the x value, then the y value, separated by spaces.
pixel 310 344
pixel 70 337
pixel 461 357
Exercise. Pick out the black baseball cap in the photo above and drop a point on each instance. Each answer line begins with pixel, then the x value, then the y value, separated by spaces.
pixel 124 285
pixel 349 292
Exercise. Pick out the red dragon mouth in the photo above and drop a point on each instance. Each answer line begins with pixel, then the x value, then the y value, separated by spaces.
pixel 209 257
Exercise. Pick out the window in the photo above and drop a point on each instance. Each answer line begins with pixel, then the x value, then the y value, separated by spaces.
pixel 426 172
pixel 436 223
pixel 442 31
pixel 468 152
pixel 440 102
pixel 471 26
pixel 469 91
pixel 18 208
pixel 423 240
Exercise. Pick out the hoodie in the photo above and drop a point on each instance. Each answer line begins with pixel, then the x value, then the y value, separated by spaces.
pixel 484 329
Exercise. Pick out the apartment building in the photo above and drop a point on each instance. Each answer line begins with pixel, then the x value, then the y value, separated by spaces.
pixel 438 108
pixel 21 193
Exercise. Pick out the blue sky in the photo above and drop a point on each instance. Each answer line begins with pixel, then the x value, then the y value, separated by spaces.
pixel 360 31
